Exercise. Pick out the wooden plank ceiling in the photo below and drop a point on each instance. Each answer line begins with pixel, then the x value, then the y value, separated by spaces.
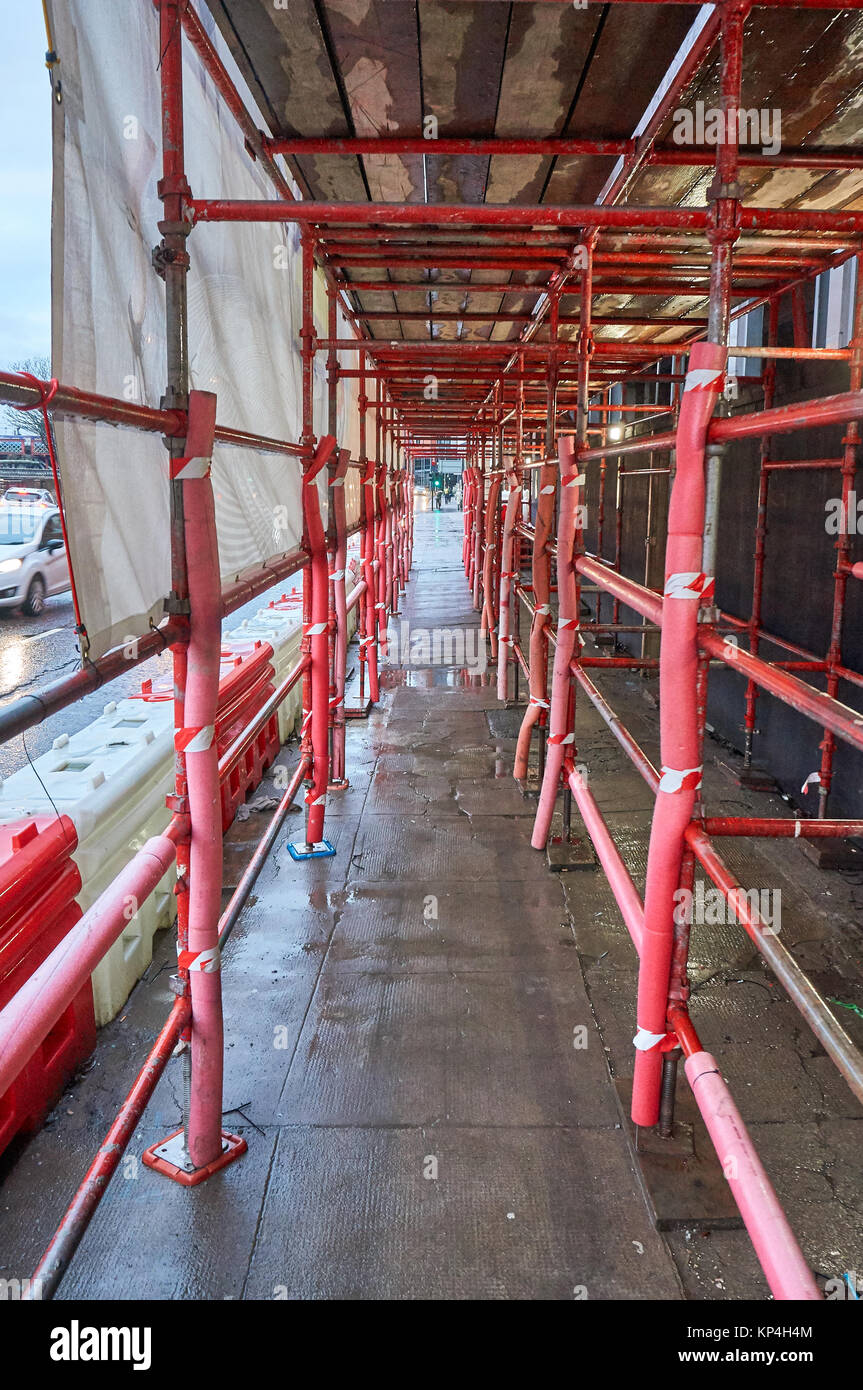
pixel 378 67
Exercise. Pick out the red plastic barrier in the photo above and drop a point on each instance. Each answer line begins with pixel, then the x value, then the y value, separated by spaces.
pixel 290 603
pixel 246 680
pixel 38 884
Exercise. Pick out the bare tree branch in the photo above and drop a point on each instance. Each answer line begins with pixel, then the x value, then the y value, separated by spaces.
pixel 31 421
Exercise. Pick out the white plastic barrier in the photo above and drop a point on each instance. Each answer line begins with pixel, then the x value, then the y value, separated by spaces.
pixel 111 780
pixel 280 624
pixel 281 627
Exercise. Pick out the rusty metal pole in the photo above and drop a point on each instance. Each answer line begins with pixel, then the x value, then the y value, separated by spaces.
pixel 314 643
pixel 769 375
pixel 332 539
pixel 200 1147
pixel 368 623
pixel 582 415
pixel 652 1100
pixel 307 440
pixel 550 444
pixel 518 462
pixel 172 261
pixel 478 531
pixel 850 442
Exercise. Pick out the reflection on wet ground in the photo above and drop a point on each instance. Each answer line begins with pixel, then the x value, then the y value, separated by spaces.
pixel 430 677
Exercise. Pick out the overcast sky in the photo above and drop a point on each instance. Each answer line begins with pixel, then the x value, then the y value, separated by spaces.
pixel 25 184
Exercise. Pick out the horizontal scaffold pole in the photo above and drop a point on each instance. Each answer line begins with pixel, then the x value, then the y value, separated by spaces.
pixel 510 215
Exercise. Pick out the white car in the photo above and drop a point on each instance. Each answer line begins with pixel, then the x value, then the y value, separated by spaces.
pixel 33 559
pixel 27 496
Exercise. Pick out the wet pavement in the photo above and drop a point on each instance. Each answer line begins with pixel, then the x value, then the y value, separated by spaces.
pixel 425 1037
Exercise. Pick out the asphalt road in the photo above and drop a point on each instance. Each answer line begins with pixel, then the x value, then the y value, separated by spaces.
pixel 36 651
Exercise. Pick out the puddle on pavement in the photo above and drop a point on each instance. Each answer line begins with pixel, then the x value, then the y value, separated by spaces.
pixel 431 677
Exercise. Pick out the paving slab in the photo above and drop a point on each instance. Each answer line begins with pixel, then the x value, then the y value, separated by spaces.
pixel 456 1214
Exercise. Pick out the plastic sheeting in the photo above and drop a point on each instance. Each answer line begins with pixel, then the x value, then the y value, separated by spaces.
pixel 244 292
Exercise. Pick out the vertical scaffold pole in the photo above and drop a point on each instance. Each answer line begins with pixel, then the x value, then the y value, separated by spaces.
pixel 201 1147
pixel 332 541
pixel 337 613
pixel 508 573
pixel 390 599
pixel 561 725
pixel 758 559
pixel 488 621
pixel 314 741
pixel 367 622
pixel 476 524
pixel 841 572
pixel 338 620
pixel 381 534
pixel 536 714
pixel 688 600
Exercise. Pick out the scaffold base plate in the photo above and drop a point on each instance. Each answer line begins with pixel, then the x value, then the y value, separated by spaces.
pixel 530 785
pixel 681 1178
pixel 171 1159
pixel 833 852
pixel 322 849
pixel 563 854
pixel 751 779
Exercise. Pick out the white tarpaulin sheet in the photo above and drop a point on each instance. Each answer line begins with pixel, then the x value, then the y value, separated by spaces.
pixel 108 321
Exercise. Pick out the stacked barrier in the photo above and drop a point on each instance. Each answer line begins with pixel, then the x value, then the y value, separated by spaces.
pixel 246 681
pixel 110 779
pixel 39 881
pixel 279 625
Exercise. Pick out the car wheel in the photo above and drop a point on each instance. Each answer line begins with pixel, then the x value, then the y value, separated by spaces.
pixel 34 603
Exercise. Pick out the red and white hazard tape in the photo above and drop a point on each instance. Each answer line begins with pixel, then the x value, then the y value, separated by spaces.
pixel 645 1041
pixel 673 780
pixel 690 584
pixel 194 740
pixel 703 378
pixel 185 470
pixel 208 962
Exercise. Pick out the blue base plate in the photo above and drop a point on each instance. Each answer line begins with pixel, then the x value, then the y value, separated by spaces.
pixel 300 850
